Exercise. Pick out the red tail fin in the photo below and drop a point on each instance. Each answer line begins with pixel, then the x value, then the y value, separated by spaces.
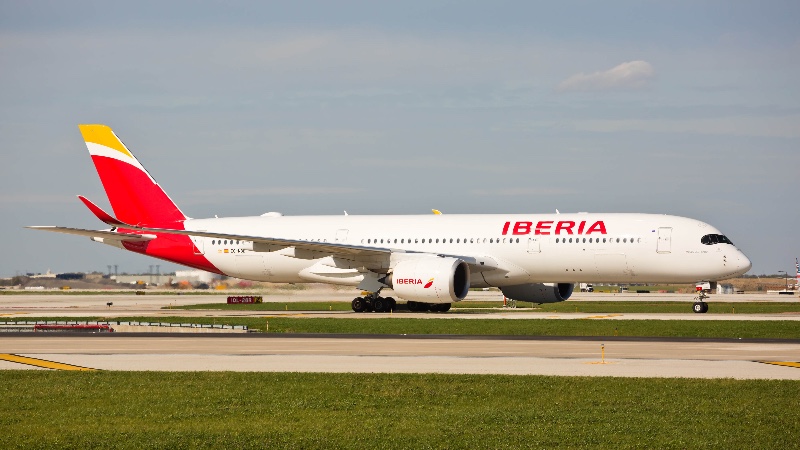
pixel 135 196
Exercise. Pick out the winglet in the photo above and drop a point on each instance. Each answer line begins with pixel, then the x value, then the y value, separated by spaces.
pixel 99 213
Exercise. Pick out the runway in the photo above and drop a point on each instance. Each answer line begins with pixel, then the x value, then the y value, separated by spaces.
pixel 685 358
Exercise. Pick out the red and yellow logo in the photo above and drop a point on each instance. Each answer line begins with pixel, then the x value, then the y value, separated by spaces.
pixel 428 284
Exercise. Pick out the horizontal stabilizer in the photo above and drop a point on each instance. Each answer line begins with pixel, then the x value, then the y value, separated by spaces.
pixel 105 234
pixel 97 211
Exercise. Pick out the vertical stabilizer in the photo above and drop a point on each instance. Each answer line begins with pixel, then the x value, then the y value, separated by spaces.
pixel 134 195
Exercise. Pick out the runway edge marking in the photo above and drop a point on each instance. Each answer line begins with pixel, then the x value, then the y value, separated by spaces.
pixel 41 362
pixel 783 363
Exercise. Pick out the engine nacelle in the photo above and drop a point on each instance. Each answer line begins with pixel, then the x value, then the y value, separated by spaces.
pixel 539 292
pixel 431 280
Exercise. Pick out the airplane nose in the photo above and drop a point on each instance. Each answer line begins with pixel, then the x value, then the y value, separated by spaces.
pixel 743 263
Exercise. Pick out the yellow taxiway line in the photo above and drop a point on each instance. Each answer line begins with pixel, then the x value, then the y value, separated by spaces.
pixel 43 363
pixel 783 363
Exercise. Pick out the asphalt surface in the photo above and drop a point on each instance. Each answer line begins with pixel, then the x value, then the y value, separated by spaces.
pixel 687 358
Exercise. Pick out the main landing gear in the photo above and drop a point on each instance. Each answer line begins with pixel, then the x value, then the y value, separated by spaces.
pixel 373 302
pixel 376 303
pixel 700 307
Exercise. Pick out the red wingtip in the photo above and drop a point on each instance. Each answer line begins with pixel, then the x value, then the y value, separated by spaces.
pixel 97 211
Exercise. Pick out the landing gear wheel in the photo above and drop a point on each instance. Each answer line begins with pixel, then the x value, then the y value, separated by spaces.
pixel 379 304
pixel 700 307
pixel 358 304
pixel 392 304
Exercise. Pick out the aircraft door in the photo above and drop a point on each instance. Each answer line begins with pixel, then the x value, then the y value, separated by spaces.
pixel 341 236
pixel 197 245
pixel 664 240
pixel 534 245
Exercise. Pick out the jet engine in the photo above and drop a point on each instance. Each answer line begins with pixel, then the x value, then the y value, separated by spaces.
pixel 539 292
pixel 431 280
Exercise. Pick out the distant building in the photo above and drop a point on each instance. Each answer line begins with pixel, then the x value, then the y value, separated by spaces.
pixel 44 275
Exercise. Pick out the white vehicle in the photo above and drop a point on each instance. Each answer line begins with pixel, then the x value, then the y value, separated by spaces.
pixel 428 260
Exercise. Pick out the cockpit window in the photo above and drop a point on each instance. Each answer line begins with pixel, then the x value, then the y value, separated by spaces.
pixel 711 239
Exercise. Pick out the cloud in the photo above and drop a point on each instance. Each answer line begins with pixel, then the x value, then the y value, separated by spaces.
pixel 626 76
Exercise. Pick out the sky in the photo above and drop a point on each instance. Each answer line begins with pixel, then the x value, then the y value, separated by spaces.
pixel 688 108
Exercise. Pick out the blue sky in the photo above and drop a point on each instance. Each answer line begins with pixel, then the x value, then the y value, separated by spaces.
pixel 238 108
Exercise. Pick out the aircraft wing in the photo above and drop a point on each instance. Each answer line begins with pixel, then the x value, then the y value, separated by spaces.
pixel 105 234
pixel 325 247
pixel 479 263
pixel 271 244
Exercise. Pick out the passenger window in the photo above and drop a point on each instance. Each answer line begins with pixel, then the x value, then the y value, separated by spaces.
pixel 570 240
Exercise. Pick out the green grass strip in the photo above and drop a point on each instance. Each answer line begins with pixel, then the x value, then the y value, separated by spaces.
pixel 505 327
pixel 118 410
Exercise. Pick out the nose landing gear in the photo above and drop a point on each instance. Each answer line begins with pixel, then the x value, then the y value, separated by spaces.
pixel 700 307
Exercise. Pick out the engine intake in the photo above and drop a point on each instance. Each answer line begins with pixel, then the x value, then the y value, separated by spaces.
pixel 539 292
pixel 431 280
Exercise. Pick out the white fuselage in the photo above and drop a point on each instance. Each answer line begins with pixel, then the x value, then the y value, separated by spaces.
pixel 531 248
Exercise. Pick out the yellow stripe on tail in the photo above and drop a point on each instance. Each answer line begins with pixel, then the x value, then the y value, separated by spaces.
pixel 103 135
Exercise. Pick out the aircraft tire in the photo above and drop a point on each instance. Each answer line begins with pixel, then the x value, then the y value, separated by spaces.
pixel 391 303
pixel 700 307
pixel 705 307
pixel 379 304
pixel 358 304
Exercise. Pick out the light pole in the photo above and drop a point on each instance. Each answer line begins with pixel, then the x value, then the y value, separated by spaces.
pixel 785 280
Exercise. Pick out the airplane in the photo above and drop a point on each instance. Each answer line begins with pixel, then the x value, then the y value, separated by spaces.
pixel 430 261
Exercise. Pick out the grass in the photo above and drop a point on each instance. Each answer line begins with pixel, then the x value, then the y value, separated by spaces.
pixel 610 307
pixel 750 329
pixel 368 411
